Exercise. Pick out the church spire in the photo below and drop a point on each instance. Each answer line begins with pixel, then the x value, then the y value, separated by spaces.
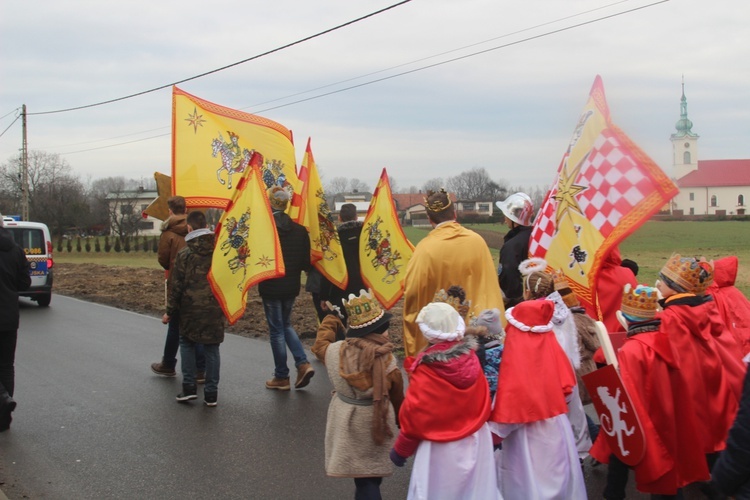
pixel 684 126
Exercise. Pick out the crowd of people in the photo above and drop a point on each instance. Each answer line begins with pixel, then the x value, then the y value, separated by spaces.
pixel 490 400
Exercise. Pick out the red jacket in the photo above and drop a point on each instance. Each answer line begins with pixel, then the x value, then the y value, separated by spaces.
pixel 732 304
pixel 610 281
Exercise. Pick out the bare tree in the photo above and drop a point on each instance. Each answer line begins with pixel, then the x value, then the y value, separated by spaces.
pixel 393 183
pixel 355 185
pixel 335 186
pixel 433 184
pixel 115 197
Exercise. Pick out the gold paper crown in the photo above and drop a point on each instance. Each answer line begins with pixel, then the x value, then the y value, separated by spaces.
pixel 437 205
pixel 563 288
pixel 363 310
pixel 463 308
pixel 639 304
pixel 688 273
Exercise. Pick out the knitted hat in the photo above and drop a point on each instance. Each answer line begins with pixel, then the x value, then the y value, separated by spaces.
pixel 490 319
pixel 365 314
pixel 278 197
pixel 439 321
pixel 639 304
pixel 687 274
pixel 563 288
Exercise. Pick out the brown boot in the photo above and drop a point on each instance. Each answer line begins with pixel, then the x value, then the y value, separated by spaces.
pixel 304 373
pixel 163 370
pixel 280 384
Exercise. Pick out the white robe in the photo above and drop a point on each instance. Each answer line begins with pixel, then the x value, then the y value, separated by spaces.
pixel 463 469
pixel 539 461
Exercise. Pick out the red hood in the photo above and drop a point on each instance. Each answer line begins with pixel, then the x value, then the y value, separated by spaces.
pixel 460 370
pixel 725 272
pixel 613 258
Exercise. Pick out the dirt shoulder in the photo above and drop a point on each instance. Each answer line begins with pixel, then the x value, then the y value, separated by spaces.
pixel 142 290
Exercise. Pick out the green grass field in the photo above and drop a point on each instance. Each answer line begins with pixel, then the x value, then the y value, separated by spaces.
pixel 650 247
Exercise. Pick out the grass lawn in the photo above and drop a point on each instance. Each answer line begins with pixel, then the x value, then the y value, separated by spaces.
pixel 650 247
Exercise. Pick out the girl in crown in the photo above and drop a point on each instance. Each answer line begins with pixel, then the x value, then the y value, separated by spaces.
pixel 368 391
pixel 444 415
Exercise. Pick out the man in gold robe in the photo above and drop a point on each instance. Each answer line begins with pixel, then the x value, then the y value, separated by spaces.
pixel 449 255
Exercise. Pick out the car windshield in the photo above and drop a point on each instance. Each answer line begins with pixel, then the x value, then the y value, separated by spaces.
pixel 31 240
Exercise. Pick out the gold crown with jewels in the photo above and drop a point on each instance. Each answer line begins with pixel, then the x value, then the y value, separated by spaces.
pixel 362 310
pixel 640 303
pixel 689 273
pixel 437 205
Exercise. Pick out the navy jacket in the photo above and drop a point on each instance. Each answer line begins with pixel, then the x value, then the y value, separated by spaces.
pixel 295 247
pixel 14 277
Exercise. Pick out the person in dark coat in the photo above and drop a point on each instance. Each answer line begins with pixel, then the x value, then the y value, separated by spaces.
pixel 14 277
pixel 349 233
pixel 518 211
pixel 201 317
pixel 278 295
pixel 731 473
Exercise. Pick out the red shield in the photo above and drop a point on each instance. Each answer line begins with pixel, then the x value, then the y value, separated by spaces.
pixel 619 420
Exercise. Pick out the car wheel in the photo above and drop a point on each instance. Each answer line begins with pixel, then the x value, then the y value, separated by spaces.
pixel 44 300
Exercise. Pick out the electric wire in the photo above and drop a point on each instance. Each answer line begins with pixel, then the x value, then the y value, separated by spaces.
pixel 277 49
pixel 8 127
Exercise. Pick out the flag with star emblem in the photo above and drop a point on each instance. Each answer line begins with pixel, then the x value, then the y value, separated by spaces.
pixel 325 247
pixel 212 146
pixel 384 249
pixel 605 188
pixel 247 247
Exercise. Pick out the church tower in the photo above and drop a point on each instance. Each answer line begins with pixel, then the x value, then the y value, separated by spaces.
pixel 684 142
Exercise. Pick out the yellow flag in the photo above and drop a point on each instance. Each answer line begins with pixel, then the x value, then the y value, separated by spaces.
pixel 247 244
pixel 605 188
pixel 212 146
pixel 325 247
pixel 384 250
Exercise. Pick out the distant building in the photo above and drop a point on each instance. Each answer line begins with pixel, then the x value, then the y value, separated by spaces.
pixel 126 213
pixel 707 187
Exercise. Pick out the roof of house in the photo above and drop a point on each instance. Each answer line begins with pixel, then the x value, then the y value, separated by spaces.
pixel 717 173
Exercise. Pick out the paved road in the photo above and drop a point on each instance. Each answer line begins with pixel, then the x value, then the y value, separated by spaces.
pixel 94 422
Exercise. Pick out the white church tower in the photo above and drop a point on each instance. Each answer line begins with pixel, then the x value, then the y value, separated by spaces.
pixel 684 143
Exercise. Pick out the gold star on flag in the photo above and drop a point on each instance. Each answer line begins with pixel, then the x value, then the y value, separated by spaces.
pixel 567 191
pixel 195 120
pixel 264 261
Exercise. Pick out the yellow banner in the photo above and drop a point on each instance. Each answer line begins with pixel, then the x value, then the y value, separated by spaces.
pixel 325 247
pixel 384 249
pixel 606 187
pixel 212 146
pixel 241 260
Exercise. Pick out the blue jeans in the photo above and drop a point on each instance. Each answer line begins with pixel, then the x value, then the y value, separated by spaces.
pixel 278 314
pixel 188 351
pixel 172 344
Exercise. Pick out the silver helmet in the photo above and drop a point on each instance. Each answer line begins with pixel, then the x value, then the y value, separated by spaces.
pixel 518 208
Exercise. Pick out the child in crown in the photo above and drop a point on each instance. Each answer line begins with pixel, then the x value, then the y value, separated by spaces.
pixel 661 397
pixel 368 391
pixel 707 355
pixel 444 415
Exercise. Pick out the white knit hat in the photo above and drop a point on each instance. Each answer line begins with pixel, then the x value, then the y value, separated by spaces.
pixel 439 321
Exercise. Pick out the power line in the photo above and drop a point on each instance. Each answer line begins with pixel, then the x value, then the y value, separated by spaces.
pixel 542 35
pixel 302 40
pixel 11 124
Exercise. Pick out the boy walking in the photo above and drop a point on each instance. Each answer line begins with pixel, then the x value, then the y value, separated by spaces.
pixel 201 317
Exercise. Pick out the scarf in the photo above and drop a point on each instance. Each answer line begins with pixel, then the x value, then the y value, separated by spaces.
pixel 363 363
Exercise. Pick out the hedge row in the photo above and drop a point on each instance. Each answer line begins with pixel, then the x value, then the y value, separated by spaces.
pixel 126 244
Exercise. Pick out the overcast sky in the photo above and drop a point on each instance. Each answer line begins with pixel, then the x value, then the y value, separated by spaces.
pixel 511 110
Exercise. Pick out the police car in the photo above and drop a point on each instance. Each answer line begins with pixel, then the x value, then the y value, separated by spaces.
pixel 35 240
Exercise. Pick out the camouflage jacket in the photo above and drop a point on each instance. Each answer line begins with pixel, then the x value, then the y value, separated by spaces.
pixel 201 317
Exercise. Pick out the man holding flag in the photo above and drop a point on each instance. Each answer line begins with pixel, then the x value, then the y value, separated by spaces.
pixel 278 295
pixel 449 255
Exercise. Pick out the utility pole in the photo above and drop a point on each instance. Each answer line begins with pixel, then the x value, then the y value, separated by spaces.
pixel 24 169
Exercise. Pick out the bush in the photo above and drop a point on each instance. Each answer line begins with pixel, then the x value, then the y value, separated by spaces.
pixel 88 245
pixel 145 244
pixel 107 246
pixel 155 244
pixel 78 244
pixel 97 246
pixel 69 245
pixel 118 246
pixel 59 244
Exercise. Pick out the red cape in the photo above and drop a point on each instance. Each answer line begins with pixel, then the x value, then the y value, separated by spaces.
pixel 610 281
pixel 437 410
pixel 535 374
pixel 710 362
pixel 661 397
pixel 731 303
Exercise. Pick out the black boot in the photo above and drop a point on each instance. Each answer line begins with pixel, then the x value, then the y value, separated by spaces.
pixel 210 398
pixel 7 405
pixel 189 392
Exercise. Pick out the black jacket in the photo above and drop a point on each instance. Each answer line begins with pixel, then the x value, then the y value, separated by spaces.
pixel 14 277
pixel 349 233
pixel 515 250
pixel 295 247
pixel 731 473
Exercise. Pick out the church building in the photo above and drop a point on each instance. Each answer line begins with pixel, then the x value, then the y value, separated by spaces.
pixel 707 187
